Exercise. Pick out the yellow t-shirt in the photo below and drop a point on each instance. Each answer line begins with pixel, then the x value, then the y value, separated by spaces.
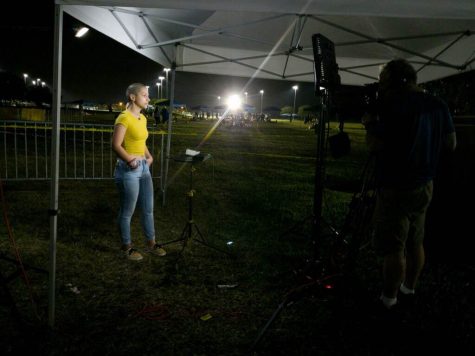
pixel 136 132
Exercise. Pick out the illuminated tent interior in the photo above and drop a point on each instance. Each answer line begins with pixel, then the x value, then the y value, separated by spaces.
pixel 272 39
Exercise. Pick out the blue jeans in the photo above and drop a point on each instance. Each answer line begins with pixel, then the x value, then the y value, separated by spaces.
pixel 135 186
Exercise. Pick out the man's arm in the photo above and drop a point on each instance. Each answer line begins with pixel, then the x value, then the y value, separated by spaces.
pixel 451 141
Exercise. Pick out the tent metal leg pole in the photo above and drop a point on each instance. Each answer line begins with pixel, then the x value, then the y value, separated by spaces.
pixel 55 130
pixel 169 137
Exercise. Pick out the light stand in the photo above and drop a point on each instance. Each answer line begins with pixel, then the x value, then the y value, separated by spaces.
pixel 319 171
pixel 326 80
pixel 191 230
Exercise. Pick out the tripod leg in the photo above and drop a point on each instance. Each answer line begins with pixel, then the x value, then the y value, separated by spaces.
pixel 181 238
pixel 202 241
pixel 185 236
pixel 268 324
pixel 298 224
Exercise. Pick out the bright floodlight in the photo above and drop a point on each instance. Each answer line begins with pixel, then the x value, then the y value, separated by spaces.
pixel 234 102
pixel 81 32
pixel 295 87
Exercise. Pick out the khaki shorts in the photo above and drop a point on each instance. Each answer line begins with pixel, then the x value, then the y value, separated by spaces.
pixel 399 218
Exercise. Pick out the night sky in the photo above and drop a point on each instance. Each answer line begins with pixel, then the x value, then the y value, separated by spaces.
pixel 97 68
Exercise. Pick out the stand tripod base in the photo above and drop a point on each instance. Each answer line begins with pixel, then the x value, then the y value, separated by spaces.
pixel 191 228
pixel 292 296
pixel 187 236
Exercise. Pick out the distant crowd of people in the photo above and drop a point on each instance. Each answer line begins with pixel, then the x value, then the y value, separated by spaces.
pixel 244 119
pixel 160 114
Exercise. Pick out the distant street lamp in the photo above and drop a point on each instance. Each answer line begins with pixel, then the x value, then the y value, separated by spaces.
pixel 158 90
pixel 166 79
pixel 161 85
pixel 43 84
pixel 218 108
pixel 38 81
pixel 245 93
pixel 295 87
pixel 262 98
pixel 25 76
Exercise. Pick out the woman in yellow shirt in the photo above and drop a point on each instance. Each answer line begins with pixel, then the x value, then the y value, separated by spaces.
pixel 132 174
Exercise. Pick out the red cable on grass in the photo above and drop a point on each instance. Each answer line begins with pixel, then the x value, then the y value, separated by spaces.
pixel 154 312
pixel 16 251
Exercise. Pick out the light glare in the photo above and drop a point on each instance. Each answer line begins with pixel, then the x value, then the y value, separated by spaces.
pixel 82 31
pixel 234 102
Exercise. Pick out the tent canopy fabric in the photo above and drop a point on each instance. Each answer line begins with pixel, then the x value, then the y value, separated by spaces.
pixel 272 38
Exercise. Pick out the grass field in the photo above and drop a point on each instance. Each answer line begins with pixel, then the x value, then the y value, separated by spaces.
pixel 251 200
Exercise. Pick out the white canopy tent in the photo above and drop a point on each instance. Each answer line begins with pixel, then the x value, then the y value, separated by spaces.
pixel 274 36
pixel 272 39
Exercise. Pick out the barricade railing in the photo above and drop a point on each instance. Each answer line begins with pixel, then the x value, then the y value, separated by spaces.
pixel 85 151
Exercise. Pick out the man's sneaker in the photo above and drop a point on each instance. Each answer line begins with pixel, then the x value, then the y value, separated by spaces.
pixel 133 255
pixel 156 250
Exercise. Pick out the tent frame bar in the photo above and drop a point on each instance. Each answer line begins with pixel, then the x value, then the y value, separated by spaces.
pixel 234 59
pixel 53 210
pixel 384 42
pixel 300 24
pixel 149 29
pixel 298 28
pixel 218 31
pixel 231 60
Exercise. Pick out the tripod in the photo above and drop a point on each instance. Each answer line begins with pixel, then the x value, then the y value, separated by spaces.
pixel 316 220
pixel 191 230
pixel 344 248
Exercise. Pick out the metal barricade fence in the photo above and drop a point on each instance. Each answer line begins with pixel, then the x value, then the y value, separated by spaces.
pixel 85 151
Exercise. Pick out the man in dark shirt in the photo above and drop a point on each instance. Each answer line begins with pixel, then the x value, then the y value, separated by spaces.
pixel 407 135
